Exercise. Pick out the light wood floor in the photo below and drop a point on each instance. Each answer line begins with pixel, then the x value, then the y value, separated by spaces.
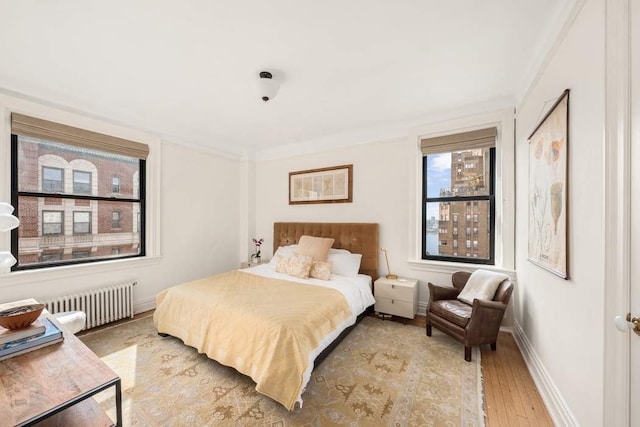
pixel 511 397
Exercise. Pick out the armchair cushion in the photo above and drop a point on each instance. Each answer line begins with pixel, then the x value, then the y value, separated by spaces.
pixel 482 284
pixel 453 310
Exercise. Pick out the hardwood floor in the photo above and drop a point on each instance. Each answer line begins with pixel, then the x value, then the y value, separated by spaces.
pixel 511 397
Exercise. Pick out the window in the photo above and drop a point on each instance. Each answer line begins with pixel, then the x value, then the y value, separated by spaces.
pixel 52 180
pixel 464 193
pixel 115 184
pixel 51 257
pixel 81 182
pixel 80 254
pixel 86 197
pixel 81 222
pixel 51 222
pixel 115 219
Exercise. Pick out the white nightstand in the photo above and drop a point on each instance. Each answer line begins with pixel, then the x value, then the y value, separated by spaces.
pixel 248 264
pixel 398 297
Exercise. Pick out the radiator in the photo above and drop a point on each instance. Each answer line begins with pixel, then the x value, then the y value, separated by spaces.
pixel 103 305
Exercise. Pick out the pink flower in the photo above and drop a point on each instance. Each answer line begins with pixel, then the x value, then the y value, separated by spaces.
pixel 258 243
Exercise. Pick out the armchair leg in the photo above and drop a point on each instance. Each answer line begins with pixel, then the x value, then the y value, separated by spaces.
pixel 467 354
pixel 428 329
pixel 494 346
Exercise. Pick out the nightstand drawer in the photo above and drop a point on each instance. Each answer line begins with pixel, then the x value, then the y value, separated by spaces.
pixel 395 307
pixel 395 291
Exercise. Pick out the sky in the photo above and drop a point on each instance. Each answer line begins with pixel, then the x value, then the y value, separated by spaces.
pixel 438 177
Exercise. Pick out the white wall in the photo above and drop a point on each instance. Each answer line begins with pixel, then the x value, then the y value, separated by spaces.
pixel 386 190
pixel 193 213
pixel 561 321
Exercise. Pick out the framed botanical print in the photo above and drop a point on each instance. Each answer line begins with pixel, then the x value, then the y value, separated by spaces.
pixel 548 228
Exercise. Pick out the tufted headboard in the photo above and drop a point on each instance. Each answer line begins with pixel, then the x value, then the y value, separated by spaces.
pixel 358 238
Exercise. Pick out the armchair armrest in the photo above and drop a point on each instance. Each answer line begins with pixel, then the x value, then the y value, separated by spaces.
pixel 484 324
pixel 440 292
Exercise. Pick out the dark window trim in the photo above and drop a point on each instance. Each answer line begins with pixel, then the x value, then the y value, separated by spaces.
pixel 73 179
pixel 115 224
pixel 73 219
pixel 492 214
pixel 61 233
pixel 15 194
pixel 52 167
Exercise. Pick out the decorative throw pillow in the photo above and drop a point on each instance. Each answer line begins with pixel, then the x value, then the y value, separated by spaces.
pixel 285 251
pixel 482 284
pixel 281 263
pixel 315 247
pixel 320 270
pixel 299 266
pixel 345 264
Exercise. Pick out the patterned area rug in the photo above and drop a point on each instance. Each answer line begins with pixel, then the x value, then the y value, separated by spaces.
pixel 383 373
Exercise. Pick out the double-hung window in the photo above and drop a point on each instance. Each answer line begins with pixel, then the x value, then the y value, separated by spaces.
pixel 450 191
pixel 52 179
pixel 63 181
pixel 81 182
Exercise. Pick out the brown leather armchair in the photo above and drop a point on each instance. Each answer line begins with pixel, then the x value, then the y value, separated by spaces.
pixel 470 324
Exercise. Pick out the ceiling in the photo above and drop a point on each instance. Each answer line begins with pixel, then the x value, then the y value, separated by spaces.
pixel 187 70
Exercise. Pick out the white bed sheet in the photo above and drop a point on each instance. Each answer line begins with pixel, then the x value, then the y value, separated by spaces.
pixel 356 290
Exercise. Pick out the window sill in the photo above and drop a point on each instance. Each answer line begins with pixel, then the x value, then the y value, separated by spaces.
pixel 452 267
pixel 16 278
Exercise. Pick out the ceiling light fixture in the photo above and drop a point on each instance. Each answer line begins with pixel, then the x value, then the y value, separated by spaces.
pixel 268 86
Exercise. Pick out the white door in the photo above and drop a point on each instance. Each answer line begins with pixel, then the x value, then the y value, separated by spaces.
pixel 635 212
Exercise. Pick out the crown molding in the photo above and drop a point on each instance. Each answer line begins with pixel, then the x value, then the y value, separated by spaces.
pixel 547 47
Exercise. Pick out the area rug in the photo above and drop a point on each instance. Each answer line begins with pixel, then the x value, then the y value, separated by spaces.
pixel 383 373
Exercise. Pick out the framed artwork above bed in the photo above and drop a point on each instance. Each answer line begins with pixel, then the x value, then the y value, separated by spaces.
pixel 325 185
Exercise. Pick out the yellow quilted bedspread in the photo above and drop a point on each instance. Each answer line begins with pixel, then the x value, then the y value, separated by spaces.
pixel 263 327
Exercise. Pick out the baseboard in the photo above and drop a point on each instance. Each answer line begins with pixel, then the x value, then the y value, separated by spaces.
pixel 422 309
pixel 144 305
pixel 555 403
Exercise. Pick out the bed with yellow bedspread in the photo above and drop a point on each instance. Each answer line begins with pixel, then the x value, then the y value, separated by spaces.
pixel 263 327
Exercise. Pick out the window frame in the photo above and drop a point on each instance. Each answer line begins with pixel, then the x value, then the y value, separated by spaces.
pixel 16 194
pixel 61 178
pixel 115 188
pixel 61 222
pixel 119 225
pixel 490 197
pixel 73 181
pixel 73 220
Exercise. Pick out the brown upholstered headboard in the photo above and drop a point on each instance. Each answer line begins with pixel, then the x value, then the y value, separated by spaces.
pixel 358 238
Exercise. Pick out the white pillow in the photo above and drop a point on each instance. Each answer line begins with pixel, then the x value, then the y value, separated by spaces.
pixel 482 284
pixel 284 251
pixel 345 264
pixel 338 251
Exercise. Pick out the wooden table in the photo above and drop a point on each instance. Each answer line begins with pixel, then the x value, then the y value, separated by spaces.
pixel 52 386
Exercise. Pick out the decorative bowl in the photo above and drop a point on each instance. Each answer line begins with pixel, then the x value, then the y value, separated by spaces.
pixel 20 317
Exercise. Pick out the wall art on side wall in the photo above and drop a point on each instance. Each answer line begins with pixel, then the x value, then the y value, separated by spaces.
pixel 325 185
pixel 548 159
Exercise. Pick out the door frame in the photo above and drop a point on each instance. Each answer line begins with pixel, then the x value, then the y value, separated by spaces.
pixel 617 209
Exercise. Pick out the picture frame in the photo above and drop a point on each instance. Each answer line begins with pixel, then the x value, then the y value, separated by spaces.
pixel 325 185
pixel 548 189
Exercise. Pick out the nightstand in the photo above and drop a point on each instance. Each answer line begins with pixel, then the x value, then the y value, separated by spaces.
pixel 398 297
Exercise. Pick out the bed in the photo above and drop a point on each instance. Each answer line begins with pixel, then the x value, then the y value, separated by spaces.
pixel 270 326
